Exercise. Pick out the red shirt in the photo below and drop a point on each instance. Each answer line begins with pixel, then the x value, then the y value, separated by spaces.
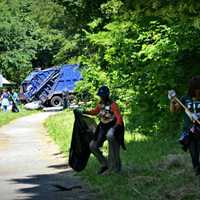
pixel 114 109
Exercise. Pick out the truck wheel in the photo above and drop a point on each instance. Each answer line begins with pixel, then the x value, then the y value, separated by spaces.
pixel 56 101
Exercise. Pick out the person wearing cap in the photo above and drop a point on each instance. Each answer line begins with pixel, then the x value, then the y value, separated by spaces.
pixel 111 128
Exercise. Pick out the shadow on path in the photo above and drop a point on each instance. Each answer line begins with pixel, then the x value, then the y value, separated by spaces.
pixel 59 186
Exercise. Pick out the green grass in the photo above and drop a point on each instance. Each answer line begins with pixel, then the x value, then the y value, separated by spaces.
pixel 60 128
pixel 6 117
pixel 154 168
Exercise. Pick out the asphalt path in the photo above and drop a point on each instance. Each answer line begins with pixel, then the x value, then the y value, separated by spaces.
pixel 31 166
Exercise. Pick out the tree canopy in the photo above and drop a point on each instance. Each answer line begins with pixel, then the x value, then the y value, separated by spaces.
pixel 140 49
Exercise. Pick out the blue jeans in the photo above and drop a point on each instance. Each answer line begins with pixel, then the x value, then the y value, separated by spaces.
pixel 5 108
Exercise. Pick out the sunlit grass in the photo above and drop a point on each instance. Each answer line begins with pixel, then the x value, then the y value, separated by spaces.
pixel 135 137
pixel 60 129
pixel 6 117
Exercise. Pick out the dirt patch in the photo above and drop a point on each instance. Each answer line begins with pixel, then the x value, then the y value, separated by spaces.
pixel 189 191
pixel 172 160
pixel 145 180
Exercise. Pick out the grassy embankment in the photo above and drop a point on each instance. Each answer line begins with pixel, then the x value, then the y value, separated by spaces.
pixel 9 116
pixel 155 168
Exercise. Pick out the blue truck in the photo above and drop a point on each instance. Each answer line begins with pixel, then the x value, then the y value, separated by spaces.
pixel 50 86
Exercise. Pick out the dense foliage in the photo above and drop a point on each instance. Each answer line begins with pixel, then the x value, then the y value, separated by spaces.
pixel 143 50
pixel 140 49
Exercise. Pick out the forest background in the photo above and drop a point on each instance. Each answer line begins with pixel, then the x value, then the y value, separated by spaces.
pixel 140 49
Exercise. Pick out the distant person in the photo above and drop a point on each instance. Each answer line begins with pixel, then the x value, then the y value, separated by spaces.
pixel 14 99
pixel 5 101
pixel 191 130
pixel 111 127
pixel 0 97
pixel 15 96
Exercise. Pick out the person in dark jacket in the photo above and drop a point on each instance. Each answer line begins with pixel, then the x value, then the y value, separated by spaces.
pixel 191 129
pixel 111 127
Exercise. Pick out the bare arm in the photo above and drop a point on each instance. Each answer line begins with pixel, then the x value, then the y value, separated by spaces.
pixel 94 111
pixel 175 106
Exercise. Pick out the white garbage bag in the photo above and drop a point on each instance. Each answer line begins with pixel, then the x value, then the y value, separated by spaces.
pixel 33 105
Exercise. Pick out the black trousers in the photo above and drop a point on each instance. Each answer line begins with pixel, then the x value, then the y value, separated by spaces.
pixel 194 148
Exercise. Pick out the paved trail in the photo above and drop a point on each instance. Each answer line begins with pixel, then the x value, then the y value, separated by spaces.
pixel 31 165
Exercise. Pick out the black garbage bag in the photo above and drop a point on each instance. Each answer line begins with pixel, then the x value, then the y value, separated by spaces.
pixel 14 104
pixel 83 132
pixel 14 107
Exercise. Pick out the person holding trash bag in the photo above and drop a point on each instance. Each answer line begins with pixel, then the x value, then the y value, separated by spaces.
pixel 111 127
pixel 190 138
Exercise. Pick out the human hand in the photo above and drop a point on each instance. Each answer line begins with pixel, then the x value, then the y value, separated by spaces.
pixel 194 117
pixel 171 94
pixel 110 132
